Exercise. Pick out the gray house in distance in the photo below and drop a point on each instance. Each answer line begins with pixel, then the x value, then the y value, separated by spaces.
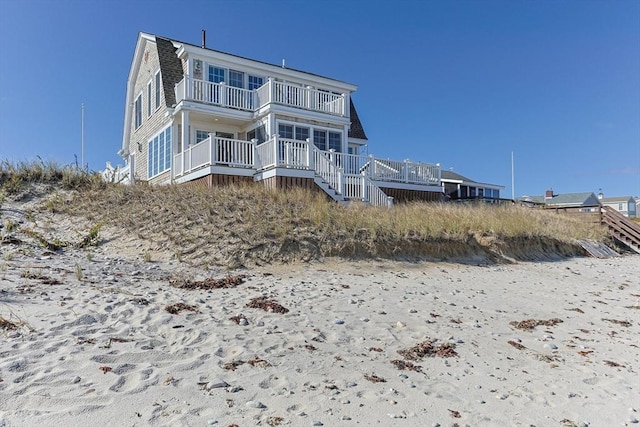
pixel 458 187
pixel 626 205
pixel 582 202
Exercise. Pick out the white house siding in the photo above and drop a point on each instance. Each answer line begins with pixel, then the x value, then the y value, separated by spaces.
pixel 151 125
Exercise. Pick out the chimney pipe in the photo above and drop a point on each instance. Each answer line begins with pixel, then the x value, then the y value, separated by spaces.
pixel 204 39
pixel 549 194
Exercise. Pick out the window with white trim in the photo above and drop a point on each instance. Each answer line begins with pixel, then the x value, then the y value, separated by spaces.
pixel 335 141
pixel 320 139
pixel 255 82
pixel 138 112
pixel 236 78
pixel 157 78
pixel 216 74
pixel 149 111
pixel 159 154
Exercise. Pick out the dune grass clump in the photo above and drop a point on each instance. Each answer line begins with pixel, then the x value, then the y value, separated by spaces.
pixel 15 177
pixel 235 225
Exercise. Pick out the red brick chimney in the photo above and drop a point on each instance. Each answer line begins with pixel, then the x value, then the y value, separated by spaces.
pixel 549 194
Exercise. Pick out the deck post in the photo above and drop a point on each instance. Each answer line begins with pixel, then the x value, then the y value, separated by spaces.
pixel 212 153
pixel 406 170
pixel 310 159
pixel 254 149
pixel 389 201
pixel 372 165
pixel 276 156
pixel 223 94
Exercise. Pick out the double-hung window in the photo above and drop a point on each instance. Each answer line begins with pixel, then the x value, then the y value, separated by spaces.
pixel 335 141
pixel 138 112
pixel 320 139
pixel 159 154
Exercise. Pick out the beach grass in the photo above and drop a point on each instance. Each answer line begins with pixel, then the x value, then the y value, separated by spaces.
pixel 237 225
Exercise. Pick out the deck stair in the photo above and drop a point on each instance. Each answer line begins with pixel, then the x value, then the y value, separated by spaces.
pixel 621 228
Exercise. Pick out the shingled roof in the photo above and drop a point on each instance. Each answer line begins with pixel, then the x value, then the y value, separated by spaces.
pixel 171 69
pixel 356 130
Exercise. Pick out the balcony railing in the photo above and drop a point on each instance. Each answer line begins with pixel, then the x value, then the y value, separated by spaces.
pixel 337 169
pixel 272 92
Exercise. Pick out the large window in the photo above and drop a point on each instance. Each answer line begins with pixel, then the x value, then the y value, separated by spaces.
pixel 255 82
pixel 335 141
pixel 157 90
pixel 216 75
pixel 236 78
pixel 138 112
pixel 159 159
pixel 320 139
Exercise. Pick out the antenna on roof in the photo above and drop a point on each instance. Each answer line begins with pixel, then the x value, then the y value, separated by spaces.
pixel 204 39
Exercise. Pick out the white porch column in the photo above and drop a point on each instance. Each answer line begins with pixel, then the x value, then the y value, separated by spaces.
pixel 345 106
pixel 345 140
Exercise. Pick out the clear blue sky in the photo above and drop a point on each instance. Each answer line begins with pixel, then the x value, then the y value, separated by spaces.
pixel 460 83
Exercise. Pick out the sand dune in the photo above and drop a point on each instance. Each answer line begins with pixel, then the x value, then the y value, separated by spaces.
pixel 87 339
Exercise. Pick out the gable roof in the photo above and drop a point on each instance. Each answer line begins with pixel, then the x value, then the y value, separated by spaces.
pixel 617 199
pixel 568 199
pixel 454 177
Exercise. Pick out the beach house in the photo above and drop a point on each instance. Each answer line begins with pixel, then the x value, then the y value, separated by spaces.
pixel 195 114
pixel 626 205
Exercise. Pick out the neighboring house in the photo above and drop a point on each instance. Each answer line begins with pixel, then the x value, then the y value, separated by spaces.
pixel 576 202
pixel 457 187
pixel 626 205
pixel 197 114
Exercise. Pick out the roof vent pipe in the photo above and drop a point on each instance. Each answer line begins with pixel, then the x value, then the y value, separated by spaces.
pixel 204 39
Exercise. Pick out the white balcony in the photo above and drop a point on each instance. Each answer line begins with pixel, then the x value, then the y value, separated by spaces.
pixel 353 177
pixel 272 92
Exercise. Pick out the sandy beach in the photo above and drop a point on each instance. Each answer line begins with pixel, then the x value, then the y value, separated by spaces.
pixel 102 336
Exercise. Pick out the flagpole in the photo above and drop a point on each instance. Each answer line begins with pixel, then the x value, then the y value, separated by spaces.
pixel 513 189
pixel 82 157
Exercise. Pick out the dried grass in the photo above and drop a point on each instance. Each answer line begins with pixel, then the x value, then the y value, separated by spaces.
pixel 245 225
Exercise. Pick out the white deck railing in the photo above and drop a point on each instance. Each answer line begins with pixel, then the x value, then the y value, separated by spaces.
pixel 352 176
pixel 272 91
pixel 215 151
pixel 118 175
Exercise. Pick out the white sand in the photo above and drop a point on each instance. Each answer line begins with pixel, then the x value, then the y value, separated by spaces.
pixel 346 321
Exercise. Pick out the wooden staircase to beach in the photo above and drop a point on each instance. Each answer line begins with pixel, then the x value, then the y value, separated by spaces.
pixel 621 228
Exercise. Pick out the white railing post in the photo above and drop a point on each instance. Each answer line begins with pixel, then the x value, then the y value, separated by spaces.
pixel 254 150
pixel 276 156
pixel 406 170
pixel 343 107
pixel 308 97
pixel 340 189
pixel 310 160
pixel 389 201
pixel 212 153
pixel 223 94
pixel 372 165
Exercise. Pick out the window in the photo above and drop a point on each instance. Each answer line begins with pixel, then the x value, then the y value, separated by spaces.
pixel 138 112
pixel 201 135
pixel 302 134
pixel 216 75
pixel 236 78
pixel 258 133
pixel 320 139
pixel 335 142
pixel 285 131
pixel 159 159
pixel 255 82
pixel 149 99
pixel 157 90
